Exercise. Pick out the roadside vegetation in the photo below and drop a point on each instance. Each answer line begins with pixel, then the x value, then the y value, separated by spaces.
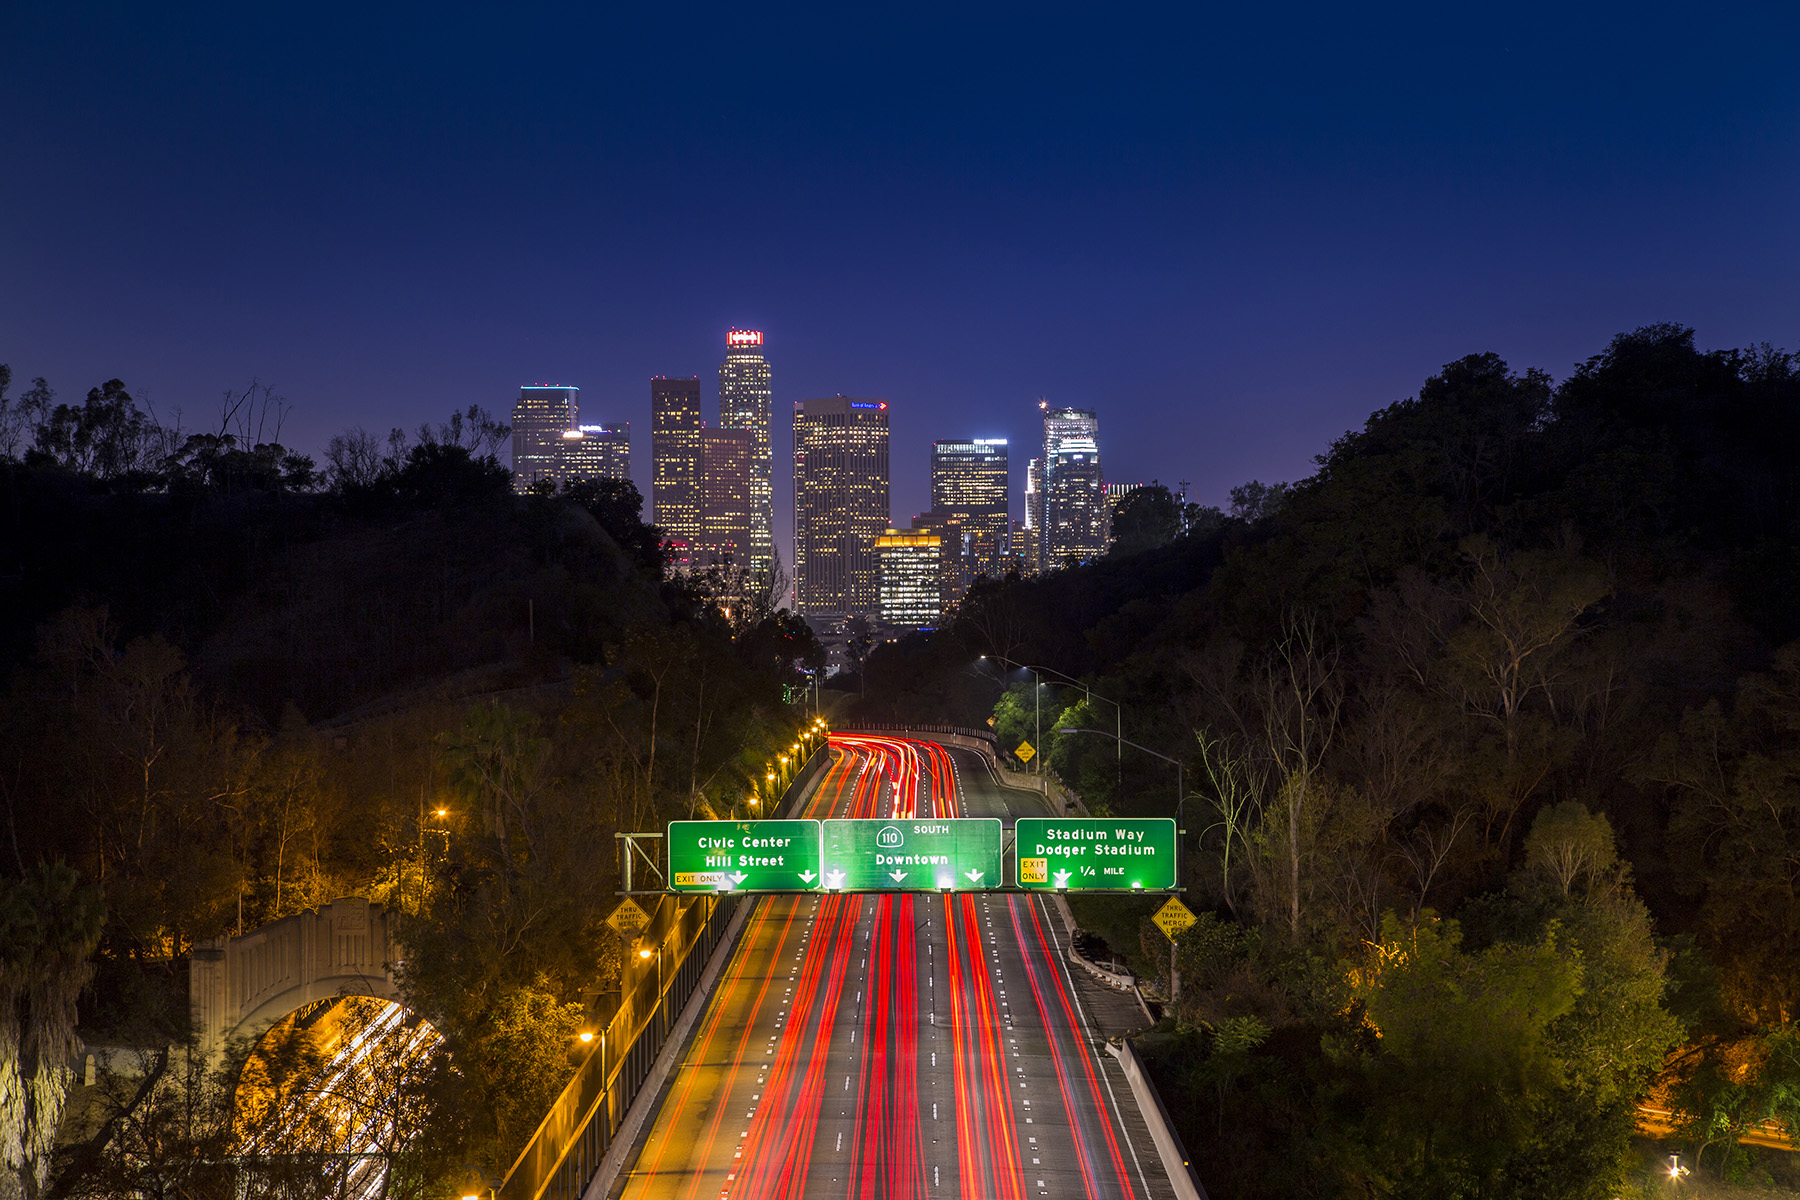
pixel 238 684
pixel 1491 734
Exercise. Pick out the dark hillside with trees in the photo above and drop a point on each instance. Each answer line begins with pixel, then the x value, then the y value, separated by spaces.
pixel 1489 734
pixel 237 686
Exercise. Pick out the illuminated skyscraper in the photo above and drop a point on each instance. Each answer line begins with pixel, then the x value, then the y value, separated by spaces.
pixel 968 485
pixel 744 404
pixel 954 575
pixel 539 420
pixel 910 565
pixel 596 452
pixel 840 503
pixel 1077 517
pixel 727 502
pixel 1075 522
pixel 675 452
pixel 1034 517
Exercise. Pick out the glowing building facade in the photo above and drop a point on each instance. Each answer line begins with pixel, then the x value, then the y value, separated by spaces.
pixel 675 455
pixel 911 570
pixel 744 403
pixel 539 420
pixel 596 452
pixel 968 486
pixel 727 498
pixel 1074 518
pixel 840 504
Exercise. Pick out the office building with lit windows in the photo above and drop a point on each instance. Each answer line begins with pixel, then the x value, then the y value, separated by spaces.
pixel 727 498
pixel 596 452
pixel 840 504
pixel 539 420
pixel 910 562
pixel 1033 548
pixel 1075 516
pixel 675 453
pixel 744 403
pixel 953 569
pixel 968 486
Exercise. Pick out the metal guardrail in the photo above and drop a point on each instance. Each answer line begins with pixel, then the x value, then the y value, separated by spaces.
pixel 565 1151
pixel 983 735
pixel 574 1135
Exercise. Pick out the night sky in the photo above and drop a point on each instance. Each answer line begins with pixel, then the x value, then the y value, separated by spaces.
pixel 1233 232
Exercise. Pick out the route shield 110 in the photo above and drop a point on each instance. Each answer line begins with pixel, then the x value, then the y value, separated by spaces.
pixel 911 855
pixel 1087 854
pixel 743 856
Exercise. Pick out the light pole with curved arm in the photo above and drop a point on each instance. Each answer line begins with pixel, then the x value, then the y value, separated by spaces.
pixel 1180 836
pixel 1180 785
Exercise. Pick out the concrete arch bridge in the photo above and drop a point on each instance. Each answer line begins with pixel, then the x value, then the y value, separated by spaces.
pixel 239 986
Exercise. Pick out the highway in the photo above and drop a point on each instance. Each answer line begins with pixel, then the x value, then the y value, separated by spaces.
pixel 906 1046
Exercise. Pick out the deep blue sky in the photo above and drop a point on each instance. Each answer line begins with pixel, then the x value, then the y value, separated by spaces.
pixel 1233 231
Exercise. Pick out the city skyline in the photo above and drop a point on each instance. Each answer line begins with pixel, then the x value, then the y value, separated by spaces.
pixel 914 488
pixel 1240 252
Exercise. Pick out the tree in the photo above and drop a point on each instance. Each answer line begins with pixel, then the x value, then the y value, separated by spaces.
pixel 1466 1052
pixel 50 923
pixel 1147 518
pixel 1569 845
pixel 108 436
pixel 1257 501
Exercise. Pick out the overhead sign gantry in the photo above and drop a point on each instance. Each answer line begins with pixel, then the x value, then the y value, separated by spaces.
pixel 921 854
pixel 927 854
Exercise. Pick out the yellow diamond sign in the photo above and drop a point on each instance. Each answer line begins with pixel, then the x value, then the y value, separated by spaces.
pixel 1025 751
pixel 1173 917
pixel 629 919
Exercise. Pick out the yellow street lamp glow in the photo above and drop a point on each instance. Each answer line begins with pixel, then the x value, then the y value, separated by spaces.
pixel 646 952
pixel 443 812
pixel 771 776
pixel 586 1036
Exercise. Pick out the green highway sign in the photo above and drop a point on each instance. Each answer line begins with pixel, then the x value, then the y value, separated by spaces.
pixel 743 856
pixel 1088 854
pixel 915 854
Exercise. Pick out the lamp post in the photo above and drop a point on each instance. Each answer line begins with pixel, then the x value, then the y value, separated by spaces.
pixel 1180 786
pixel 1118 735
pixel 1037 708
pixel 1180 833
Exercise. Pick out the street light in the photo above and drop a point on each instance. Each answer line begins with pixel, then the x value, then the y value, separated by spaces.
pixel 1118 713
pixel 1037 706
pixel 1180 786
pixel 1180 833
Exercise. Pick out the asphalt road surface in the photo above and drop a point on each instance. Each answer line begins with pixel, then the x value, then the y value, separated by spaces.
pixel 908 1046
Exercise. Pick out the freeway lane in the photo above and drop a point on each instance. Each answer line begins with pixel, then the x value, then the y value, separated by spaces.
pixel 916 1046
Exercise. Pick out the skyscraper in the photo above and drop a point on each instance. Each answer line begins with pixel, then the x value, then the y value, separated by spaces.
pixel 840 503
pixel 675 457
pixel 968 484
pixel 910 565
pixel 1074 522
pixel 1034 517
pixel 727 523
pixel 744 403
pixel 596 452
pixel 954 574
pixel 539 420
pixel 1077 517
